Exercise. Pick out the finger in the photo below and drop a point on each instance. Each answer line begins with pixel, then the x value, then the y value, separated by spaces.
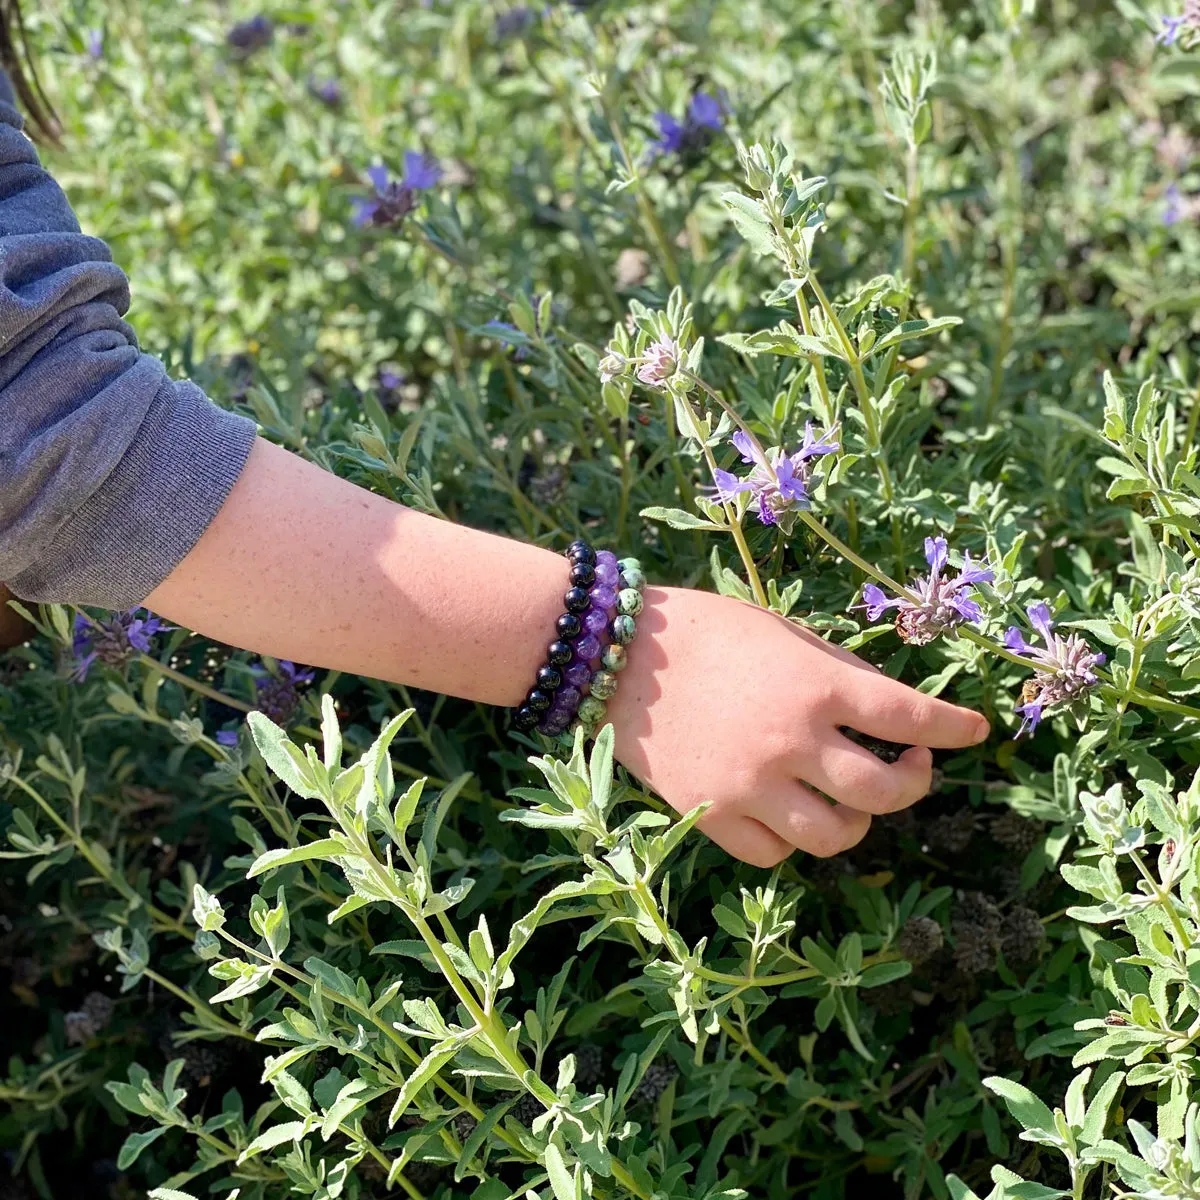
pixel 883 708
pixel 807 821
pixel 747 839
pixel 852 775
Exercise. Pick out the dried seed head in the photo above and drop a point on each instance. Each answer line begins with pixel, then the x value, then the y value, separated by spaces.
pixel 920 939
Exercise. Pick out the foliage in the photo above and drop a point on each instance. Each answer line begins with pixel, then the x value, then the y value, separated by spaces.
pixel 344 952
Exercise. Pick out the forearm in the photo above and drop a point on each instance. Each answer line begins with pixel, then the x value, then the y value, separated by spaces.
pixel 302 565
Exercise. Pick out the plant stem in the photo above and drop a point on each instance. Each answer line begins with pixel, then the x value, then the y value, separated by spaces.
pixel 731 514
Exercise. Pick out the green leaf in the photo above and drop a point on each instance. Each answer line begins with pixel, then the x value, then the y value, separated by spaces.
pixel 422 1074
pixel 289 1131
pixel 882 973
pixel 135 1143
pixel 1025 1107
pixel 907 330
pixel 282 756
pixel 326 848
pixel 750 221
pixel 676 518
pixel 561 1179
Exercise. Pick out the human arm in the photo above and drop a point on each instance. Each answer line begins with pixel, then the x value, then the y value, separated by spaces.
pixel 721 702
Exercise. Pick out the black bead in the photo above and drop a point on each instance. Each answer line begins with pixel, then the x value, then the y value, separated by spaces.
pixel 580 552
pixel 525 718
pixel 569 626
pixel 583 575
pixel 538 700
pixel 549 679
pixel 577 600
pixel 560 653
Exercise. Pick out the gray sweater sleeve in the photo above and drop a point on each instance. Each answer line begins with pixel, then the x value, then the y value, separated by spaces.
pixel 109 470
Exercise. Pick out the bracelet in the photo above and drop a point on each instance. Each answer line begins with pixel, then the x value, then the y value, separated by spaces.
pixel 622 629
pixel 561 682
pixel 579 674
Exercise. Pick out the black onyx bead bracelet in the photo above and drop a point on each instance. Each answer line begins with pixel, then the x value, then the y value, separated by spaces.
pixel 580 673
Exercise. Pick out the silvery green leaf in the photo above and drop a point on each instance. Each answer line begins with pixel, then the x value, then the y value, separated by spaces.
pixel 277 1135
pixel 206 909
pixel 135 1143
pixel 422 1074
pixel 326 849
pixel 284 758
pixel 677 518
pixel 1132 838
pixel 1025 1107
pixel 751 222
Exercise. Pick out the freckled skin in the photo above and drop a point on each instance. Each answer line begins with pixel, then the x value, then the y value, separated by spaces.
pixel 719 701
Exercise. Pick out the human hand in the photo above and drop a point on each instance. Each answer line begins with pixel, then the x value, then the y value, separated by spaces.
pixel 731 704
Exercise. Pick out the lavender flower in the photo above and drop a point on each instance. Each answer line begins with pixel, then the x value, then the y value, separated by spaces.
pixel 227 737
pixel 278 695
pixel 1067 667
pixel 328 91
pixel 95 44
pixel 1169 32
pixel 514 23
pixel 778 482
pixel 659 362
pixel 393 201
pixel 941 604
pixel 112 641
pixel 691 137
pixel 248 36
pixel 1173 210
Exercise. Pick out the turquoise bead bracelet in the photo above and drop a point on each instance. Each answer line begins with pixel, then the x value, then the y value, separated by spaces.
pixel 622 629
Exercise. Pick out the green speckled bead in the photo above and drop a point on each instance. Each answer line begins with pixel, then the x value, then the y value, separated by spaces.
pixel 604 685
pixel 592 711
pixel 614 657
pixel 632 577
pixel 624 630
pixel 628 564
pixel 629 602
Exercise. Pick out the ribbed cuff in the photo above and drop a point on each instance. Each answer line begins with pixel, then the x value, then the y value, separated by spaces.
pixel 151 510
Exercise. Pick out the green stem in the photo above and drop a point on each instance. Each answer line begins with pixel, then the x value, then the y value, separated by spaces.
pixel 194 684
pixel 731 515
pixel 1165 903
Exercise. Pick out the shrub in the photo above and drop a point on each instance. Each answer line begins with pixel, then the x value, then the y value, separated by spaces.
pixel 370 944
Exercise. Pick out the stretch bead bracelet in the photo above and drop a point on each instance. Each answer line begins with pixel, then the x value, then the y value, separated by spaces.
pixel 561 682
pixel 622 629
pixel 581 663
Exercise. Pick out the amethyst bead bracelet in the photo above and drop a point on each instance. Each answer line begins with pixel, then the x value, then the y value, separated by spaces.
pixel 590 604
pixel 626 593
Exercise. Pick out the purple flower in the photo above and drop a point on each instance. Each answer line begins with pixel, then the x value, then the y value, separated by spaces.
pixel 95 44
pixel 390 380
pixel 691 137
pixel 659 362
pixel 1173 209
pixel 248 36
pixel 1066 667
pixel 227 737
pixel 941 604
pixel 393 201
pixel 328 91
pixel 514 23
pixel 113 640
pixel 778 481
pixel 278 692
pixel 1169 32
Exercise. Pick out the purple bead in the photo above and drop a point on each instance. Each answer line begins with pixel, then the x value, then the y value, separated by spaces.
pixel 606 558
pixel 553 723
pixel 595 620
pixel 604 597
pixel 607 574
pixel 578 674
pixel 567 701
pixel 587 648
